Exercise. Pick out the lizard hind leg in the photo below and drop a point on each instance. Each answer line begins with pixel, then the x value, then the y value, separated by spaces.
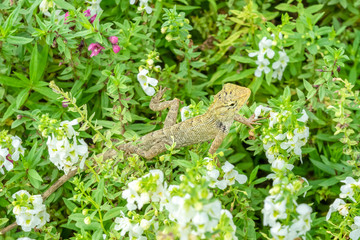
pixel 157 104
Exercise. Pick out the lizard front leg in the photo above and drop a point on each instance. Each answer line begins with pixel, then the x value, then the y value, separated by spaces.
pixel 247 121
pixel 217 142
pixel 157 105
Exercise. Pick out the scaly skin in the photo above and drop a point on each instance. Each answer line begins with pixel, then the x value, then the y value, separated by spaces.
pixel 214 124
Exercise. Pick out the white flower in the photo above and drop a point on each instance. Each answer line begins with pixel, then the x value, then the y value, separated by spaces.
pixel 69 130
pixel 273 118
pixel 21 194
pixel 143 4
pixel 265 48
pixel 282 62
pixel 347 190
pixel 185 113
pixel 277 230
pixel 212 177
pixel 337 205
pixel 122 224
pixel 355 233
pixel 31 213
pixel 18 149
pixel 146 81
pixel 277 73
pixel 231 175
pixel 45 5
pixel 262 66
pixel 94 7
pixel 273 211
pixel 304 117
pixel 4 162
pixel 260 109
pixel 25 238
pixel 65 154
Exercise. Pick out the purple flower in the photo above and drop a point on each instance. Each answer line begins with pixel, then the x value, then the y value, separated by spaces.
pixel 67 14
pixel 92 19
pixel 87 13
pixel 95 49
pixel 113 39
pixel 116 48
pixel 65 103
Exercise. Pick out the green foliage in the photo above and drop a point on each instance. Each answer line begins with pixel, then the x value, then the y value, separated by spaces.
pixel 50 73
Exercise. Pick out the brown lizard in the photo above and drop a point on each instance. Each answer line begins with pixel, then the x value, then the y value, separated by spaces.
pixel 214 124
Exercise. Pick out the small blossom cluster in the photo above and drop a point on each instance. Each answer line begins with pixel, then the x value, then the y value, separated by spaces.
pixel 229 175
pixel 141 191
pixel 152 57
pixel 281 204
pixel 143 5
pixel 146 82
pixel 176 26
pixel 96 48
pixel 282 138
pixel 29 210
pixel 10 151
pixel 195 213
pixel 114 40
pixel 349 190
pixel 279 140
pixel 64 148
pixel 135 227
pixel 93 10
pixel 189 208
pixel 266 53
pixel 44 7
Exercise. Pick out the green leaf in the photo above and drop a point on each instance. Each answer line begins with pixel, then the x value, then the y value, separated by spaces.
pixel 182 163
pixel 112 213
pixel 46 92
pixel 323 167
pixel 18 40
pixel 12 82
pixel 69 204
pixel 22 97
pixel 34 174
pixel 38 63
pixel 286 7
pixel 242 59
pixel 65 5
pixel 3 221
pixel 314 8
pixel 308 86
pixel 235 36
pixel 253 174
pixel 321 92
pixel 99 192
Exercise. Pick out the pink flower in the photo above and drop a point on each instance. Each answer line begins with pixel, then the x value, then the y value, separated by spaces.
pixel 92 19
pixel 95 49
pixel 66 17
pixel 113 39
pixel 116 48
pixel 87 13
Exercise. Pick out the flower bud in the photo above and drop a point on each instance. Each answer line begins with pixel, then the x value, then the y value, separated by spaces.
pixel 116 48
pixel 87 220
pixel 113 39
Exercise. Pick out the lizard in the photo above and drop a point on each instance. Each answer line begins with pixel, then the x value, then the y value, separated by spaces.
pixel 214 124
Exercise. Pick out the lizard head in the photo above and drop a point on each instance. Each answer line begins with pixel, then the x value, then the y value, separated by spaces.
pixel 230 99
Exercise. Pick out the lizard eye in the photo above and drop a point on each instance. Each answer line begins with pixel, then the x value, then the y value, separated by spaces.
pixel 232 104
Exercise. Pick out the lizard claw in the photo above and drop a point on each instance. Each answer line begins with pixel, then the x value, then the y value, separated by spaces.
pixel 160 93
pixel 252 121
